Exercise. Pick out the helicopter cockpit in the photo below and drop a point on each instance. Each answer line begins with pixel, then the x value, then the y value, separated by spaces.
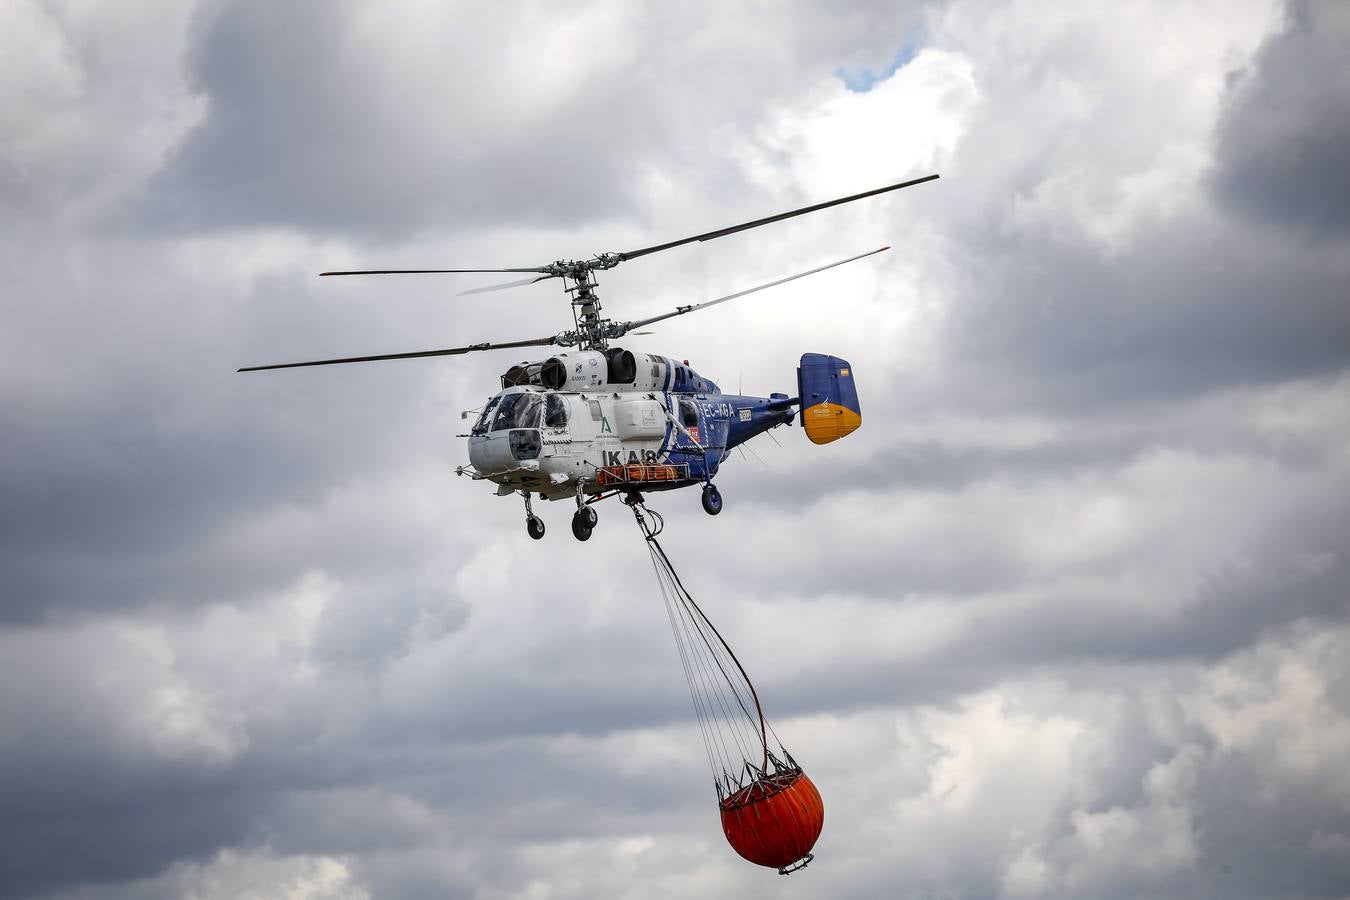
pixel 523 409
pixel 518 411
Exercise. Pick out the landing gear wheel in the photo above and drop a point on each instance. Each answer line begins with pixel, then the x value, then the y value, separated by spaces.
pixel 581 527
pixel 535 526
pixel 591 516
pixel 712 500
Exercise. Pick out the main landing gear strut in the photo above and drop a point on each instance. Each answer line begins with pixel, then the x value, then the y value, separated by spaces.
pixel 583 520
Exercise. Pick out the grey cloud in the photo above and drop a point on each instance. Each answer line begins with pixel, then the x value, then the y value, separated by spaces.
pixel 90 105
pixel 1167 320
pixel 126 836
pixel 138 458
pixel 1281 144
pixel 1172 798
pixel 1235 816
pixel 311 123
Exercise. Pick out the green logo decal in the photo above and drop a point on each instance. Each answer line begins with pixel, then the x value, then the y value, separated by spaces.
pixel 604 425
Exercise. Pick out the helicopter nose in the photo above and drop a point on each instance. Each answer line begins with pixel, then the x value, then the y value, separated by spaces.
pixel 491 453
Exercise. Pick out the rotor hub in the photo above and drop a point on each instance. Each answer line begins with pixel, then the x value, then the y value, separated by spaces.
pixel 593 331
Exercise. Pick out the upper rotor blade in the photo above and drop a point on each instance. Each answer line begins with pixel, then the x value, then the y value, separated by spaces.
pixel 453 351
pixel 679 311
pixel 722 232
pixel 504 285
pixel 427 271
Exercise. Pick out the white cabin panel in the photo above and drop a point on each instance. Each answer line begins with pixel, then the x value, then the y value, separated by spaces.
pixel 639 419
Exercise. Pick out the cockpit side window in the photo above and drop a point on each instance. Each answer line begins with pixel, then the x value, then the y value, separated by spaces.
pixel 555 411
pixel 688 414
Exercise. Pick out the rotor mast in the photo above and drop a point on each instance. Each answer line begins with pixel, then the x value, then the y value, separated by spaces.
pixel 593 331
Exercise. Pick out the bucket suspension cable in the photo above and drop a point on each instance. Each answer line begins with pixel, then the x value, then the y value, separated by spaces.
pixel 771 812
pixel 726 703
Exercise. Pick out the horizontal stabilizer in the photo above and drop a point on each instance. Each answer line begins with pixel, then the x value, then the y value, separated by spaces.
pixel 830 408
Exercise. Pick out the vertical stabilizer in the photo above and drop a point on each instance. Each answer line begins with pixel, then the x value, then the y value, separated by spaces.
pixel 830 408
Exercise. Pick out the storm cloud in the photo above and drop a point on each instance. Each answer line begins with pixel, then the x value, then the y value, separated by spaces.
pixel 1066 618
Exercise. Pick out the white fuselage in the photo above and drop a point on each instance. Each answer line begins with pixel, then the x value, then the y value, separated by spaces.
pixel 566 424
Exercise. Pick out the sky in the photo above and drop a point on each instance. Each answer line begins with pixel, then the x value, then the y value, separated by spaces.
pixel 1067 616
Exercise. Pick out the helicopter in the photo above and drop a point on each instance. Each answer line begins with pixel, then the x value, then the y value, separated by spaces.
pixel 598 420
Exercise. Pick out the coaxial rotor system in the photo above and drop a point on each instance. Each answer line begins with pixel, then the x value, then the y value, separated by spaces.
pixel 591 330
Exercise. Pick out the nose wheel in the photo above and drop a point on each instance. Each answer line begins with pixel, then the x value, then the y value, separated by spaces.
pixel 712 500
pixel 533 524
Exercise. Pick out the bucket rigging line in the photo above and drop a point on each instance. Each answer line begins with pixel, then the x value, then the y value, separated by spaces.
pixel 771 812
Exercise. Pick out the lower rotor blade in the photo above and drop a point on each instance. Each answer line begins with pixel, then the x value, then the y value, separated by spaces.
pixel 453 351
pixel 679 311
pixel 504 285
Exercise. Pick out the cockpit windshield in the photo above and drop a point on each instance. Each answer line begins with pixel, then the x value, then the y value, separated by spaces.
pixel 521 410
